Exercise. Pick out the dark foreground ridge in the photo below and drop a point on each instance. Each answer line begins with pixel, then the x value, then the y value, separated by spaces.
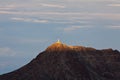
pixel 62 62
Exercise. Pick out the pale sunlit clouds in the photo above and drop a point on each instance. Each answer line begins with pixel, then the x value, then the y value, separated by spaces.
pixel 29 20
pixel 73 28
pixel 114 5
pixel 53 5
pixel 114 27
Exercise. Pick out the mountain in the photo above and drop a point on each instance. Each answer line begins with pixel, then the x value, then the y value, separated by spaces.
pixel 62 62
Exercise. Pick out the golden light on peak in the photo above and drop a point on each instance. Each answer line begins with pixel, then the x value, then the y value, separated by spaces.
pixel 58 41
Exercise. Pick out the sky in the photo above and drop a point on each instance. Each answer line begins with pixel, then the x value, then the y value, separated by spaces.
pixel 28 27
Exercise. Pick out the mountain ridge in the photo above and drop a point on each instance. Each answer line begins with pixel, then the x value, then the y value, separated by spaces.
pixel 59 46
pixel 62 62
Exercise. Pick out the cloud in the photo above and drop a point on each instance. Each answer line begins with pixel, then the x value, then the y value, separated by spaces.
pixel 62 15
pixel 73 28
pixel 40 21
pixel 6 51
pixel 11 12
pixel 30 20
pixel 7 7
pixel 32 5
pixel 114 27
pixel 52 5
pixel 114 5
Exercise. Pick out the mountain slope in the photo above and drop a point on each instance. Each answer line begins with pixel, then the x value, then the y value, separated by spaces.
pixel 62 62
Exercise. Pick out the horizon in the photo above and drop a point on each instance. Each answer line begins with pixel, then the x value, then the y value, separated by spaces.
pixel 28 27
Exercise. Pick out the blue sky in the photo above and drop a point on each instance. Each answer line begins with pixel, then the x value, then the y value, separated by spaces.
pixel 28 27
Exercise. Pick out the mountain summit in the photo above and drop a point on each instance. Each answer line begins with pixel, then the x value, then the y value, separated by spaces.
pixel 62 62
pixel 58 46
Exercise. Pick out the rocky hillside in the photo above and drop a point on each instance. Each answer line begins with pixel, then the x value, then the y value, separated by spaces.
pixel 62 62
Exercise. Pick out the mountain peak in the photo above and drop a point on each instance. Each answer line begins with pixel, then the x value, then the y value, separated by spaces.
pixel 63 62
pixel 58 41
pixel 58 46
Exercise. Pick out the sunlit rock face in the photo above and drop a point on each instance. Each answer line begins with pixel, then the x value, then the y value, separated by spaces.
pixel 62 62
pixel 58 46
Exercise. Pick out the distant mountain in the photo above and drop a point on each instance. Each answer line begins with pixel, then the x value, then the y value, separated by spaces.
pixel 62 62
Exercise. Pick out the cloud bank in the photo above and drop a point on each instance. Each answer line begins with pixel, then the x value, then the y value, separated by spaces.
pixel 114 27
pixel 30 20
pixel 73 28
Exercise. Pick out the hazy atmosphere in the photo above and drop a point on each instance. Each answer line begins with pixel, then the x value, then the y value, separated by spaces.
pixel 28 27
